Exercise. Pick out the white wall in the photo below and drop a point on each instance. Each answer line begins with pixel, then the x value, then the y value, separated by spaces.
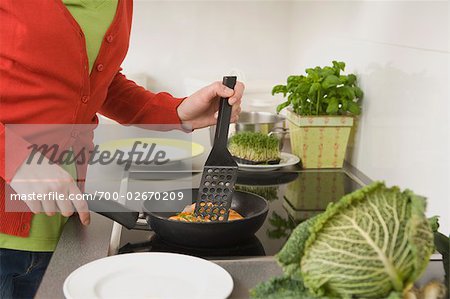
pixel 174 41
pixel 180 46
pixel 400 50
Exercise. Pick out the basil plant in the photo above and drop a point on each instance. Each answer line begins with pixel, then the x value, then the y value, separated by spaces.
pixel 322 91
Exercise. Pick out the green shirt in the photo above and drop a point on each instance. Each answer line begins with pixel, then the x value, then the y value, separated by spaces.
pixel 94 18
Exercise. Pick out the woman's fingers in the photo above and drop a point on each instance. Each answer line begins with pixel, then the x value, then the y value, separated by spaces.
pixel 49 207
pixel 238 92
pixel 235 101
pixel 81 206
pixel 65 207
pixel 64 204
pixel 235 113
pixel 35 206
pixel 217 89
pixel 85 217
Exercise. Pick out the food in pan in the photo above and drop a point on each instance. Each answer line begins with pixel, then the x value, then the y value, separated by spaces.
pixel 187 215
pixel 254 148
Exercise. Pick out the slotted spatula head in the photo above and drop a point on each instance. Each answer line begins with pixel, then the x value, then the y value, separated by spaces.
pixel 220 170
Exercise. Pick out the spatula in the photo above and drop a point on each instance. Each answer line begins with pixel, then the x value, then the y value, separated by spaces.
pixel 220 170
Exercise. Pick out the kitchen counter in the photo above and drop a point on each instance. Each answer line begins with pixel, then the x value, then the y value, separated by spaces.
pixel 79 245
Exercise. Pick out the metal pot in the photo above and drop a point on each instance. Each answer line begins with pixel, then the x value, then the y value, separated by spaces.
pixel 263 122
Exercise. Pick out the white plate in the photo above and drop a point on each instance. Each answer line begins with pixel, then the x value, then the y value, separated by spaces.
pixel 175 150
pixel 149 275
pixel 286 160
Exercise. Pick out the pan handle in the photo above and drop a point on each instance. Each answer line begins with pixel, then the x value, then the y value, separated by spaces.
pixel 121 214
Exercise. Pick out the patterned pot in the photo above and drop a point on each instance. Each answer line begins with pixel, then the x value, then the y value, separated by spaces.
pixel 319 141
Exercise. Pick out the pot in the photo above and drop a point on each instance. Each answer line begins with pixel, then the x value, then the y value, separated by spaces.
pixel 263 122
pixel 319 141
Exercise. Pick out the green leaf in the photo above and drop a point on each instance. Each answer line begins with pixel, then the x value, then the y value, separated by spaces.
pixel 339 65
pixel 294 79
pixel 313 74
pixel 303 89
pixel 343 79
pixel 442 244
pixel 283 287
pixel 434 223
pixel 344 103
pixel 347 92
pixel 395 295
pixel 358 92
pixel 279 89
pixel 353 108
pixel 313 89
pixel 290 255
pixel 333 106
pixel 332 92
pixel 282 106
pixel 351 79
pixel 330 81
pixel 326 71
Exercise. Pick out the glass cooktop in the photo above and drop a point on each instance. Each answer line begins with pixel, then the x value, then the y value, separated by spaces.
pixel 293 196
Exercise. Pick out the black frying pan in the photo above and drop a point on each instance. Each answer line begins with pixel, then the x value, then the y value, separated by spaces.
pixel 252 207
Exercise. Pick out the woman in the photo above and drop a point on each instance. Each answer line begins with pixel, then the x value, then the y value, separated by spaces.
pixel 60 64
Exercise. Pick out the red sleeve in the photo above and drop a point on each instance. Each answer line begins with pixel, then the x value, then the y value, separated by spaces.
pixel 11 143
pixel 128 103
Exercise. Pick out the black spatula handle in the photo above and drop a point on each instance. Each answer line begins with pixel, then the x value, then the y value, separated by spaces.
pixel 224 117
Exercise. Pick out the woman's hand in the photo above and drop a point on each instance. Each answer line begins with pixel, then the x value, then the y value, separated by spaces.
pixel 42 178
pixel 200 109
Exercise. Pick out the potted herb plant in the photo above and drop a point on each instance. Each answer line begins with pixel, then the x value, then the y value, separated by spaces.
pixel 321 106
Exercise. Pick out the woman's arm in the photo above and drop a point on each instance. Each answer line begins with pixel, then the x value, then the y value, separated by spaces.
pixel 128 103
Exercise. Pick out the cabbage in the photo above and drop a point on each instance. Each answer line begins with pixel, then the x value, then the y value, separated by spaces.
pixel 373 243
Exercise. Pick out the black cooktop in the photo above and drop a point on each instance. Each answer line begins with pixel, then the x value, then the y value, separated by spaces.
pixel 293 197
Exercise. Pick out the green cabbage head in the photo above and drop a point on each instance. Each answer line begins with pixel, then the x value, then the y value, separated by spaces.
pixel 372 243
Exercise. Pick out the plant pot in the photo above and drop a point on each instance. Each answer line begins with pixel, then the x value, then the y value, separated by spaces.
pixel 319 141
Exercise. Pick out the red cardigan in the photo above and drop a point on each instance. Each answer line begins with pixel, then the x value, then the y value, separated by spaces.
pixel 44 79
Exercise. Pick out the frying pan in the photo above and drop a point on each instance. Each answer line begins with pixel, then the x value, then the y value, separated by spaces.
pixel 252 207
